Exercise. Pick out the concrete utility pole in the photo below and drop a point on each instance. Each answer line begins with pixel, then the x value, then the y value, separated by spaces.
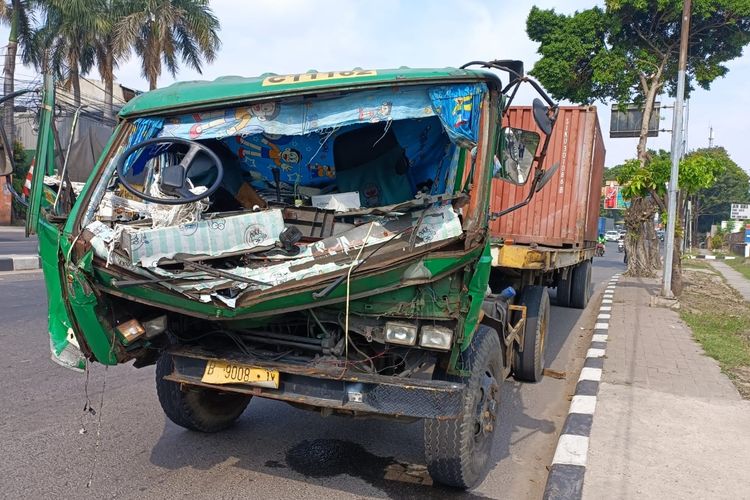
pixel 676 150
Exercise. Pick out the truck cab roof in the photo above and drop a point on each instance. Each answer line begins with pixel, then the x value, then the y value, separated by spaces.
pixel 203 94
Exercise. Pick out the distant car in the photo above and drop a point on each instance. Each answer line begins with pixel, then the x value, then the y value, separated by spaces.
pixel 612 235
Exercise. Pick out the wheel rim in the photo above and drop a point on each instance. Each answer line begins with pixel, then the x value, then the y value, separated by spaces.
pixel 485 414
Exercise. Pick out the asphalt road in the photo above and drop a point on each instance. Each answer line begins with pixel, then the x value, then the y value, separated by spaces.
pixel 14 241
pixel 52 448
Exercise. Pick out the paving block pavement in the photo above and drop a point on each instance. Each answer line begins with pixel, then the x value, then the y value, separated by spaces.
pixel 668 423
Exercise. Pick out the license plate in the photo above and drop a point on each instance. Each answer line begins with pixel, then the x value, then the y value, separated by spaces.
pixel 221 372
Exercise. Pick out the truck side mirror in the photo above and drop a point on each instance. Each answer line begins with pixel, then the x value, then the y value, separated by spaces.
pixel 517 150
pixel 541 117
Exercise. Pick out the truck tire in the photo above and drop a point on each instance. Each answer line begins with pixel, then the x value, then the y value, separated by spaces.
pixel 580 291
pixel 564 289
pixel 528 366
pixel 196 408
pixel 458 451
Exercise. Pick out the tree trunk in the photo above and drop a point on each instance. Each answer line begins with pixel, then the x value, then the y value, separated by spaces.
pixel 650 88
pixel 75 81
pixel 152 81
pixel 108 85
pixel 9 71
pixel 677 258
pixel 638 244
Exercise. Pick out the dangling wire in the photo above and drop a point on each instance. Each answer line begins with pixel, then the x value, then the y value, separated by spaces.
pixel 348 279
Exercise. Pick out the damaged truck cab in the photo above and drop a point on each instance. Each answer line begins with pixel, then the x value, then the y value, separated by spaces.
pixel 320 239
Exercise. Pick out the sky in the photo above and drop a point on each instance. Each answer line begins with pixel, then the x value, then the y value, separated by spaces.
pixel 294 36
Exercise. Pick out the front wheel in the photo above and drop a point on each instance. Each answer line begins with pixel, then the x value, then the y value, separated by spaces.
pixel 458 450
pixel 196 408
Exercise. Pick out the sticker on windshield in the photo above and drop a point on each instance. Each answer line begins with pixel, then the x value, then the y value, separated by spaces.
pixel 314 77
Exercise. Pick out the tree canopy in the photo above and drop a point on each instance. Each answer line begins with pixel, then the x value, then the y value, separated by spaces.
pixel 627 52
pixel 602 54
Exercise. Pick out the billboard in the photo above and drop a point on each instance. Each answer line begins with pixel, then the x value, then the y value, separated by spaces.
pixel 740 211
pixel 625 121
pixel 613 199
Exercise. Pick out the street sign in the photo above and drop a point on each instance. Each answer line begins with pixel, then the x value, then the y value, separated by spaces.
pixel 625 121
pixel 740 211
pixel 747 233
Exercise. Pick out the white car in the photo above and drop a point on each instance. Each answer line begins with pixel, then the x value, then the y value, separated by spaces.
pixel 612 235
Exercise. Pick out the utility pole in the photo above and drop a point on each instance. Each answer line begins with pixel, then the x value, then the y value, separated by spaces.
pixel 676 150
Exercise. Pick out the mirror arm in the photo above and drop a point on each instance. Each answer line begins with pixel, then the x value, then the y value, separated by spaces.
pixel 513 95
pixel 537 178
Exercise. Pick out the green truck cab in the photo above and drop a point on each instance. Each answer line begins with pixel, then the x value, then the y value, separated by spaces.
pixel 319 238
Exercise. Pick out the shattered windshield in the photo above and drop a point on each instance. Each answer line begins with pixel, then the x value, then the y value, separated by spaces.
pixel 302 184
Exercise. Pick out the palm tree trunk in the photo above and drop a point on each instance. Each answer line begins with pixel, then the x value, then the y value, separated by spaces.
pixel 75 81
pixel 152 81
pixel 9 71
pixel 108 85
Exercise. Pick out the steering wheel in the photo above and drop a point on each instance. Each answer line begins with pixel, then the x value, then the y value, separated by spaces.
pixel 173 179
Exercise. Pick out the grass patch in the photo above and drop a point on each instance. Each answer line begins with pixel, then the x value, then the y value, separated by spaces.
pixel 722 337
pixel 720 321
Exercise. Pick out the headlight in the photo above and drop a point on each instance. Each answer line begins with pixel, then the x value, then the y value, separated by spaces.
pixel 400 333
pixel 130 330
pixel 436 337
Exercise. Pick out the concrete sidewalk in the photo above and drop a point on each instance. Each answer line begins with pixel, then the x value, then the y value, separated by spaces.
pixel 667 423
pixel 735 279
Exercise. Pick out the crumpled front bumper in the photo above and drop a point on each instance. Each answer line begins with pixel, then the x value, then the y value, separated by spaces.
pixel 350 392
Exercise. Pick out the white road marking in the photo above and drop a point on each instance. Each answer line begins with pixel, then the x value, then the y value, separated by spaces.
pixel 588 373
pixel 601 326
pixel 595 353
pixel 599 337
pixel 583 404
pixel 571 450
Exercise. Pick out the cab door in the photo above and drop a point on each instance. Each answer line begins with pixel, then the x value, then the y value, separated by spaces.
pixel 40 220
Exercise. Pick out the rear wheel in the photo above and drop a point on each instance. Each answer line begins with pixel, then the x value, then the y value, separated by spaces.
pixel 564 289
pixel 528 366
pixel 196 408
pixel 458 450
pixel 581 286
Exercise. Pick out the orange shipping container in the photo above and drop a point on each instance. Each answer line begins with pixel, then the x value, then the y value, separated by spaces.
pixel 565 213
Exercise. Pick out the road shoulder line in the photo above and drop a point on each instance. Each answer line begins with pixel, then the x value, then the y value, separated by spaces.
pixel 565 479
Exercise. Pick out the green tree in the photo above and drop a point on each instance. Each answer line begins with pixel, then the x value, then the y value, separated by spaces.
pixel 628 50
pixel 19 15
pixel 698 170
pixel 713 204
pixel 165 31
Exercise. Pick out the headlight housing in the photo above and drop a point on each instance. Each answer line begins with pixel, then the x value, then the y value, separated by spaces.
pixel 436 337
pixel 400 333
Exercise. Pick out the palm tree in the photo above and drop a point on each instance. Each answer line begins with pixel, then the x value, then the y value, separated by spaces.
pixel 19 15
pixel 164 31
pixel 107 51
pixel 68 38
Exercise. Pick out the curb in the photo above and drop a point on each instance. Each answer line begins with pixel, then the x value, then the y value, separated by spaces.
pixel 713 257
pixel 565 479
pixel 20 262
